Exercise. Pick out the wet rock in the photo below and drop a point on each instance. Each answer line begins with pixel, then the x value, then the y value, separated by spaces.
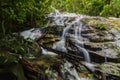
pixel 93 46
pixel 100 57
pixel 94 35
pixel 101 38
pixel 114 22
pixel 44 68
pixel 36 50
pixel 48 61
pixel 109 69
pixel 48 40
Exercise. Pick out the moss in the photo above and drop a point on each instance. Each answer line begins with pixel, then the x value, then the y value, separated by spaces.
pixel 110 68
pixel 97 23
pixel 86 20
pixel 115 23
pixel 48 61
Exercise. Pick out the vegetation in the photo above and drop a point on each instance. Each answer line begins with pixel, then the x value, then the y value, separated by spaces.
pixel 99 25
pixel 90 7
pixel 17 15
pixel 20 45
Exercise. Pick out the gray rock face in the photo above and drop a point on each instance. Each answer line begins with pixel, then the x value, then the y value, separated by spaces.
pixel 101 38
pixel 109 68
pixel 81 36
pixel 97 35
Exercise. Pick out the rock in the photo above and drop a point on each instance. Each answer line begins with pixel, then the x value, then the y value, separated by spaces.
pixel 109 68
pixel 48 40
pixel 114 22
pixel 99 57
pixel 103 33
pixel 48 61
pixel 94 36
pixel 36 50
pixel 93 46
pixel 46 66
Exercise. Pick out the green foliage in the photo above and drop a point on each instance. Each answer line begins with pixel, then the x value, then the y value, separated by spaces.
pixel 112 9
pixel 69 5
pixel 106 11
pixel 17 15
pixel 15 43
pixel 96 23
pixel 91 7
pixel 7 59
pixel 90 75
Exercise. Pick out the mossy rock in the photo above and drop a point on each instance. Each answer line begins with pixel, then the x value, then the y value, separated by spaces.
pixel 110 68
pixel 96 23
pixel 99 25
pixel 49 61
pixel 115 22
pixel 48 40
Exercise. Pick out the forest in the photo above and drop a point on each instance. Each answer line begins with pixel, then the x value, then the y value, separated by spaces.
pixel 59 39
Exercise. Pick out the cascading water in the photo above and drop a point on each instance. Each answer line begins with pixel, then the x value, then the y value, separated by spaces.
pixel 32 34
pixel 47 52
pixel 73 26
pixel 72 72
pixel 86 54
pixel 59 18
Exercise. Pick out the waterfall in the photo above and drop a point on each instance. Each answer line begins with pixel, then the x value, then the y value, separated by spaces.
pixel 76 24
pixel 106 57
pixel 63 19
pixel 85 53
pixel 72 71
pixel 44 51
pixel 105 54
pixel 60 45
pixel 32 34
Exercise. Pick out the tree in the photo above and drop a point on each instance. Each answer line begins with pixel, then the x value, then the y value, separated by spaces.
pixel 17 15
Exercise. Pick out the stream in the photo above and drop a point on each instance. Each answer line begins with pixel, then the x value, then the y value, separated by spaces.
pixel 70 40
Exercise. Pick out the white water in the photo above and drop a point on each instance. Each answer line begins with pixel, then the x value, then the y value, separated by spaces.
pixel 60 45
pixel 59 18
pixel 75 24
pixel 85 53
pixel 105 57
pixel 32 34
pixel 45 52
pixel 90 66
pixel 72 71
pixel 62 19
